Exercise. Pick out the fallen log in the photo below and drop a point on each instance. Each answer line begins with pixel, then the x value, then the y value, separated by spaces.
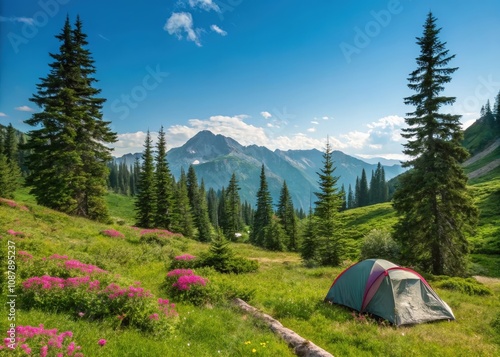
pixel 301 346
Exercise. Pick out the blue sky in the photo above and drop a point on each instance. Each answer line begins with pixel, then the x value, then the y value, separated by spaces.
pixel 283 74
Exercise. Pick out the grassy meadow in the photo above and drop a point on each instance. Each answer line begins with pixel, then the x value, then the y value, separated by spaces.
pixel 282 287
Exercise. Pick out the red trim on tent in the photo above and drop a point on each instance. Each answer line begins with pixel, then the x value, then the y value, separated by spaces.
pixel 412 271
pixel 367 289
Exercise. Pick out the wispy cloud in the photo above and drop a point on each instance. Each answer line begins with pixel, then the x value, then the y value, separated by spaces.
pixel 217 29
pixel 24 108
pixel 266 115
pixel 3 114
pixel 206 5
pixel 180 23
pixel 24 20
pixel 103 37
pixel 314 122
pixel 380 139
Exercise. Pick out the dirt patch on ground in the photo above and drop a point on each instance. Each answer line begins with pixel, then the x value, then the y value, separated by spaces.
pixel 278 260
pixel 487 280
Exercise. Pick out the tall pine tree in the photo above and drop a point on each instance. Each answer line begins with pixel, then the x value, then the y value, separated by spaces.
pixel 164 185
pixel 288 219
pixel 263 213
pixel 232 220
pixel 145 200
pixel 328 204
pixel 434 206
pixel 183 215
pixel 68 153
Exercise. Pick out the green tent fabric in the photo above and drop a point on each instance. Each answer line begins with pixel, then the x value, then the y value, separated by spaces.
pixel 379 287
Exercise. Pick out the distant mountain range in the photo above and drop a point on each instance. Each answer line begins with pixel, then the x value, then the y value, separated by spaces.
pixel 216 157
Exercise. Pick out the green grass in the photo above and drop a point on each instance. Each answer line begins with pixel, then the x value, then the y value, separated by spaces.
pixel 121 207
pixel 282 287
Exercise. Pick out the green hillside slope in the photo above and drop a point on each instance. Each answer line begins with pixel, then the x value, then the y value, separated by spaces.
pixel 282 287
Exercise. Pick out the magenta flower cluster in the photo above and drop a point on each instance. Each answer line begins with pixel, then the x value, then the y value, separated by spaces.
pixel 24 255
pixel 13 204
pixel 160 232
pixel 47 282
pixel 112 233
pixel 73 264
pixel 179 272
pixel 14 233
pixel 185 257
pixel 31 338
pixel 185 279
pixel 114 290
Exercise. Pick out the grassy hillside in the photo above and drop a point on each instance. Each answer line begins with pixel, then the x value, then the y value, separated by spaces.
pixel 282 287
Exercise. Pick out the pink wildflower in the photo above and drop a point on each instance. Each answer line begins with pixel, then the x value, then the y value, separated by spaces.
pixel 185 257
pixel 81 314
pixel 180 272
pixel 44 351
pixel 102 342
pixel 186 281
pixel 154 316
pixel 112 233
pixel 14 233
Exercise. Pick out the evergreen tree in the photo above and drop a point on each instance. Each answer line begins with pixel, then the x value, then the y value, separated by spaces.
pixel 496 113
pixel 350 198
pixel 164 185
pixel 309 246
pixel 357 188
pixel 364 195
pixel 232 220
pixel 434 206
pixel 145 201
pixel 221 210
pixel 6 185
pixel 263 212
pixel 68 152
pixel 212 205
pixel 134 177
pixel 10 145
pixel 342 194
pixel 182 221
pixel 288 219
pixel 328 204
pixel 274 236
pixel 201 218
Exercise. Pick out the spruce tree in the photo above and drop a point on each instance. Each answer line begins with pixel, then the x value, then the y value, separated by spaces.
pixel 164 184
pixel 68 153
pixel 288 219
pixel 350 198
pixel 496 113
pixel 6 185
pixel 363 195
pixel 232 220
pixel 183 216
pixel 309 246
pixel 263 213
pixel 433 204
pixel 145 201
pixel 212 205
pixel 200 213
pixel 328 204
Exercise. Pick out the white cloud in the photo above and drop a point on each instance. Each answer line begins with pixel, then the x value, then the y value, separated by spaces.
pixel 266 115
pixel 24 108
pixel 131 143
pixel 182 22
pixel 24 20
pixel 325 118
pixel 217 29
pixel 314 122
pixel 381 139
pixel 3 114
pixel 206 5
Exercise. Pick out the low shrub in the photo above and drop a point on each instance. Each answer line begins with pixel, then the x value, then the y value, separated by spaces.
pixel 379 244
pixel 184 261
pixel 185 286
pixel 469 286
pixel 29 340
pixel 154 238
pixel 93 299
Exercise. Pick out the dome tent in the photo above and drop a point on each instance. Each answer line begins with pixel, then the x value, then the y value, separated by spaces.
pixel 379 287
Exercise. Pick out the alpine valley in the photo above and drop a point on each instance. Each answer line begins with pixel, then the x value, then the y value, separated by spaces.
pixel 216 157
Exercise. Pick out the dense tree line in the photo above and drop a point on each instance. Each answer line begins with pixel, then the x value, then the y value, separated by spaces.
pixel 10 162
pixel 365 194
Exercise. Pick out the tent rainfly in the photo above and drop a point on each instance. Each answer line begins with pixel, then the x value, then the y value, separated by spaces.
pixel 381 288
